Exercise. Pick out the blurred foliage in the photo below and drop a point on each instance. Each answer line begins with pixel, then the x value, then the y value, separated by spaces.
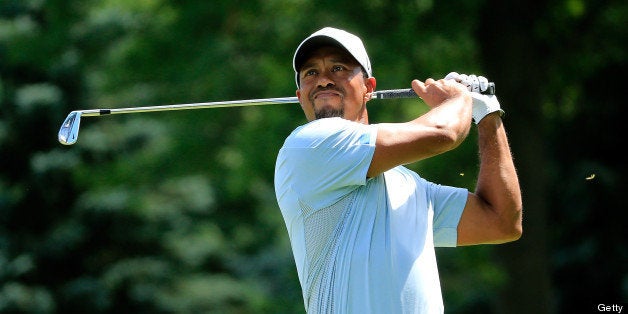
pixel 175 212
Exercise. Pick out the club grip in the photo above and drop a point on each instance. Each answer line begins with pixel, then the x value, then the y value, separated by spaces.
pixel 490 90
pixel 396 93
pixel 409 93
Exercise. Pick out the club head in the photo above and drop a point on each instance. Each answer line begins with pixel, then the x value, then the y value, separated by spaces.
pixel 68 133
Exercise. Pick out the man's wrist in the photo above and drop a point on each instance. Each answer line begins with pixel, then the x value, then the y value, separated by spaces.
pixel 484 105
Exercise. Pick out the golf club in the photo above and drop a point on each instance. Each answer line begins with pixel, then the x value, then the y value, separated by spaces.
pixel 68 133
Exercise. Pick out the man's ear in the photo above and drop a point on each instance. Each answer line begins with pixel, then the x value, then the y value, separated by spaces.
pixel 370 83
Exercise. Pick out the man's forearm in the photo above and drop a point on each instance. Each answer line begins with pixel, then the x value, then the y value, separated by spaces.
pixel 497 181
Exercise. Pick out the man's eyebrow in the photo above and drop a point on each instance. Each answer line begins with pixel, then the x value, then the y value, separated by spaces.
pixel 306 65
pixel 334 59
pixel 343 59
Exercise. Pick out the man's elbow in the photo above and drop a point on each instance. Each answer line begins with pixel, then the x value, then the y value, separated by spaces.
pixel 514 234
pixel 506 236
pixel 513 230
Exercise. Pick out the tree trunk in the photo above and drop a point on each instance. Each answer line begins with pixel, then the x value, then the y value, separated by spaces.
pixel 514 61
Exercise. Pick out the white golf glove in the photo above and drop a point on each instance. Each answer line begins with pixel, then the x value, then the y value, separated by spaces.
pixel 482 104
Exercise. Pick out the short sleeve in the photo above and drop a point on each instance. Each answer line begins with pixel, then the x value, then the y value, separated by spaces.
pixel 448 203
pixel 326 159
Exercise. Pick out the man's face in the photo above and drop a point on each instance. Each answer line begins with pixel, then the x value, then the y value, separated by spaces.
pixel 332 84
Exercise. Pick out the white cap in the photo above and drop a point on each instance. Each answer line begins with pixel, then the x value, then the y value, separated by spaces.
pixel 336 37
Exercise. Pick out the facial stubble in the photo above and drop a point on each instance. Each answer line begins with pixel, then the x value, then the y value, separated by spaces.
pixel 327 111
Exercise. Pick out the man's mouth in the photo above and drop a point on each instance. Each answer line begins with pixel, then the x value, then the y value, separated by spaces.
pixel 326 94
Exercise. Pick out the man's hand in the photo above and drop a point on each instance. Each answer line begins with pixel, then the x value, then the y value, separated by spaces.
pixel 482 104
pixel 434 92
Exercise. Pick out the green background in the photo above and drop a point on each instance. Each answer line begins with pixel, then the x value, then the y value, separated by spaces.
pixel 175 212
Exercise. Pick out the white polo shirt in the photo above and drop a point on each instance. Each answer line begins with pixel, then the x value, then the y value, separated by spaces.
pixel 361 245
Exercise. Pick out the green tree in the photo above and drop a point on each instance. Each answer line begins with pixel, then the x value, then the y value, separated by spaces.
pixel 175 212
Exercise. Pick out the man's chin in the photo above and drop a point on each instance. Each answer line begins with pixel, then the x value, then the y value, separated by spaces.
pixel 329 113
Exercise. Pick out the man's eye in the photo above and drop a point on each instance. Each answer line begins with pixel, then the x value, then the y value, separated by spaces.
pixel 337 68
pixel 309 72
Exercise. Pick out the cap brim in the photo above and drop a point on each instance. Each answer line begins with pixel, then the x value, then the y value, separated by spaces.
pixel 309 46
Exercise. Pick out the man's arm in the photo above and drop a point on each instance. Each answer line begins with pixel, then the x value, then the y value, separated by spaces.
pixel 441 129
pixel 493 214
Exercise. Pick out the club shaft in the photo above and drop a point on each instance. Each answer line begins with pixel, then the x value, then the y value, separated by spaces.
pixel 68 133
pixel 216 104
pixel 386 94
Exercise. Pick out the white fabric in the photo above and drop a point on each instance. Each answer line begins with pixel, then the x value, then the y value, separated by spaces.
pixel 482 104
pixel 361 245
pixel 474 83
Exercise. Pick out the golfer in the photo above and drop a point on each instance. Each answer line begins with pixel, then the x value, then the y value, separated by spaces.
pixel 362 226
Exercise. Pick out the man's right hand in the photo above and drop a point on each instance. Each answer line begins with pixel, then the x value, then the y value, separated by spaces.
pixel 435 93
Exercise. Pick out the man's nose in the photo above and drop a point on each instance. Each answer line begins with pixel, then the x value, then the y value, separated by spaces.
pixel 324 80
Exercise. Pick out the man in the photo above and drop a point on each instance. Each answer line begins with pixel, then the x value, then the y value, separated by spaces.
pixel 362 226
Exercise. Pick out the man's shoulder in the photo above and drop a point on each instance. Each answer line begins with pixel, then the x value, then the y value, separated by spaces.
pixel 403 176
pixel 326 124
pixel 315 131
